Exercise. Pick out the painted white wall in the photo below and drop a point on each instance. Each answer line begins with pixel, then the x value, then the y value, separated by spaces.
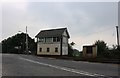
pixel 53 45
pixel 65 33
pixel 65 49
pixel 65 44
pixel 52 49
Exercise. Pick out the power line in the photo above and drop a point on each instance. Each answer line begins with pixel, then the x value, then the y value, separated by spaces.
pixel 107 29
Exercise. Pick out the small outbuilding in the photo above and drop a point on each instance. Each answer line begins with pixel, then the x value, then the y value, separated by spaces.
pixel 90 51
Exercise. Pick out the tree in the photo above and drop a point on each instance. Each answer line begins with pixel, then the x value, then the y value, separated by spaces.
pixel 115 52
pixel 104 52
pixel 16 44
pixel 76 53
pixel 70 49
pixel 72 43
pixel 102 48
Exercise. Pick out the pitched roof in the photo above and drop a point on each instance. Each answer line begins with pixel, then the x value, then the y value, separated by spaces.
pixel 52 33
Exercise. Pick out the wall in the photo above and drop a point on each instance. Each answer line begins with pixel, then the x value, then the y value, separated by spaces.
pixel 52 49
pixel 53 45
pixel 94 52
pixel 65 44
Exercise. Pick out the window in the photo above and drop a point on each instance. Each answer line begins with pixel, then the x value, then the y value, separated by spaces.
pixel 56 39
pixel 40 49
pixel 41 39
pixel 48 39
pixel 48 49
pixel 56 49
pixel 89 49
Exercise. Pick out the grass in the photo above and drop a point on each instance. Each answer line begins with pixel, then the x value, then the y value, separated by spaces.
pixel 98 59
pixel 80 58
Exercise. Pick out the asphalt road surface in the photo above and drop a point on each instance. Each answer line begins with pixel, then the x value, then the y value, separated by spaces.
pixel 28 65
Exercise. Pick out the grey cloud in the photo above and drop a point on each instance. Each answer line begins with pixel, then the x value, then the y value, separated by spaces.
pixel 80 18
pixel 77 16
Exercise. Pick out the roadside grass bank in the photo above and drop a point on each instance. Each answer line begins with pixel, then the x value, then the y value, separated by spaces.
pixel 97 59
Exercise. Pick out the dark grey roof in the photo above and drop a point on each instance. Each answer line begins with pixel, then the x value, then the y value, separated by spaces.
pixel 52 33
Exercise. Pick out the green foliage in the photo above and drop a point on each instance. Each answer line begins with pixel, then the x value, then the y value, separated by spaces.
pixel 104 52
pixel 102 48
pixel 118 48
pixel 73 52
pixel 76 53
pixel 72 43
pixel 115 52
pixel 16 44
pixel 70 50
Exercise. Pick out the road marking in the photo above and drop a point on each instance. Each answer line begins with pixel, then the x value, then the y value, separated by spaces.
pixel 64 68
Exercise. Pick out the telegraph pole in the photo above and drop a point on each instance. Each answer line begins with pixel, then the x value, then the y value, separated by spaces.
pixel 26 41
pixel 117 36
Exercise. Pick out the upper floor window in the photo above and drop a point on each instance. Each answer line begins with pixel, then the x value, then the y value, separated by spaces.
pixel 56 39
pixel 41 39
pixel 48 39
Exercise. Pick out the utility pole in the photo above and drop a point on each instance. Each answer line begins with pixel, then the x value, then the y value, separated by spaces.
pixel 117 36
pixel 26 41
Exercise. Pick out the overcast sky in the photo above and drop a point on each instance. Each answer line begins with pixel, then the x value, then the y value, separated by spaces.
pixel 86 21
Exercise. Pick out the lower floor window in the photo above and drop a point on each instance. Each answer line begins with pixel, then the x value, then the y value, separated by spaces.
pixel 40 49
pixel 56 49
pixel 48 49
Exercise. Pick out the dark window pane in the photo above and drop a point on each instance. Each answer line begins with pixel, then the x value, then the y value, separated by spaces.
pixel 56 49
pixel 41 39
pixel 48 49
pixel 40 49
pixel 48 39
pixel 58 39
pixel 54 39
pixel 89 50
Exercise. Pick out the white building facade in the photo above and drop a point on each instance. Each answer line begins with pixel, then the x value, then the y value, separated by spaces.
pixel 52 42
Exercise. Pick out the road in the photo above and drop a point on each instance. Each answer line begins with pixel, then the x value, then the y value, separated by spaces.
pixel 28 65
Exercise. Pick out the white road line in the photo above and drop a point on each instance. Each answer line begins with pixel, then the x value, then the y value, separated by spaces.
pixel 64 68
